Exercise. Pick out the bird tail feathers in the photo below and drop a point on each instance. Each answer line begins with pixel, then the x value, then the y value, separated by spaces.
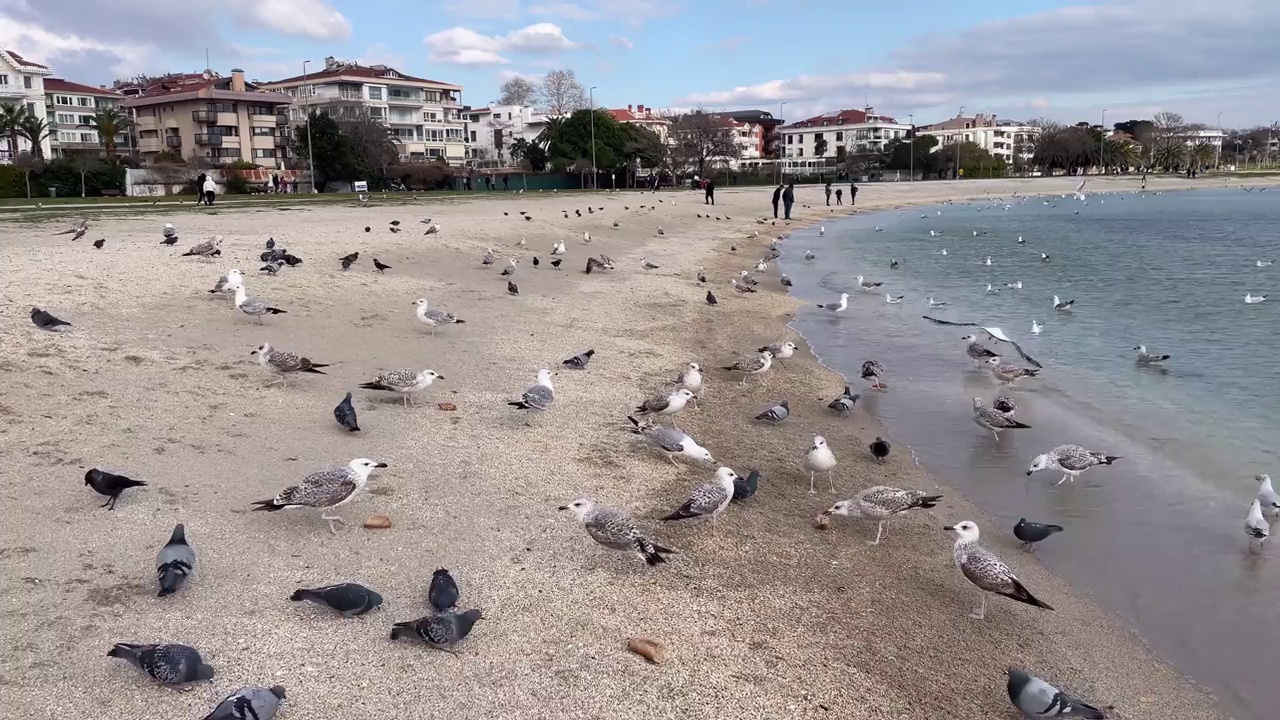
pixel 374 386
pixel 927 501
pixel 268 505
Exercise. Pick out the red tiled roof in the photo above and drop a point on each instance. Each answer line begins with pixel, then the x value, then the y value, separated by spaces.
pixel 841 117
pixel 23 61
pixel 361 71
pixel 624 115
pixel 59 85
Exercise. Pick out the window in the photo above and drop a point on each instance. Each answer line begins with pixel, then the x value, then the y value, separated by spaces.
pixel 149 134
pixel 375 93
pixel 264 152
pixel 261 110
pixel 67 118
pixel 432 96
pixel 260 131
pixel 4 79
pixel 473 136
pixel 224 130
pixel 433 117
pixel 31 108
pixel 86 119
pixel 817 137
pixel 225 153
pixel 83 101
pixel 840 137
pixel 88 137
pixel 26 81
pixel 69 137
pixel 221 107
pixel 790 138
pixel 434 152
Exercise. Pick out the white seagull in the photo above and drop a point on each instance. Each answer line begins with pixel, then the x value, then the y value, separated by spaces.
pixel 867 285
pixel 1036 327
pixel 893 300
pixel 837 306
pixel 935 303
pixel 1251 299
pixel 1061 306
pixel 820 459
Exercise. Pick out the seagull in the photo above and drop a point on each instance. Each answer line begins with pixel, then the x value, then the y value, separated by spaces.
pixel 1071 460
pixel 616 531
pixel 406 382
pixel 538 396
pixel 991 290
pixel 647 265
pixel 666 403
pixel 935 303
pixel 994 420
pixel 171 236
pixel 977 350
pixel 671 440
pixel 1268 497
pixel 1061 306
pixel 987 262
pixel 781 351
pixel 558 248
pixel 1146 358
pixel 434 228
pixel 820 459
pixel 741 287
pixel 1015 285
pixel 752 366
pixel 702 274
pixel 433 317
pixel 837 306
pixel 1264 263
pixel 880 503
pixel 994 333
pixel 845 402
pixel 510 269
pixel 709 499
pixel 1033 532
pixel 691 377
pixel 893 263
pixel 786 281
pixel 205 249
pixel 282 363
pixel 748 279
pixel 1044 257
pixel 1009 373
pixel 808 255
pixel 228 283
pixel 761 266
pixel 1036 698
pixel 986 571
pixel 893 300
pixel 1036 328
pixel 1021 241
pixel 326 490
pixel 253 308
pixel 944 251
pixel 872 370
pixel 867 285
pixel 586 236
pixel 1251 299
pixel 1255 525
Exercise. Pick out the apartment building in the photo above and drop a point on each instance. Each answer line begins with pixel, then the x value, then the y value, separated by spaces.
pixel 22 84
pixel 842 132
pixel 756 131
pixel 644 117
pixel 212 118
pixel 70 107
pixel 490 131
pixel 1001 138
pixel 424 116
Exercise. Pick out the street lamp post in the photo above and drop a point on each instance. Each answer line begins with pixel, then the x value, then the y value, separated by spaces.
pixel 911 148
pixel 782 148
pixel 1217 147
pixel 959 141
pixel 592 91
pixel 311 161
pixel 1102 143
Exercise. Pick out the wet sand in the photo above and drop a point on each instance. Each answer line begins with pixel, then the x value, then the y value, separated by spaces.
pixel 764 616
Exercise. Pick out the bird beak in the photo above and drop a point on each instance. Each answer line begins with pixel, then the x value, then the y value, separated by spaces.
pixel 825 513
pixel 439 377
pixel 253 352
pixel 1029 473
pixel 380 465
pixel 563 507
pixel 949 527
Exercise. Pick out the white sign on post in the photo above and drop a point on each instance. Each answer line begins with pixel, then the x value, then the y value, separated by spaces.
pixel 360 186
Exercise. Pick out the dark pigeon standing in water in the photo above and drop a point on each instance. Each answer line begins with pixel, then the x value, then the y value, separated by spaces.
pixel 109 484
pixel 345 414
pixel 1036 698
pixel 253 702
pixel 45 321
pixel 880 449
pixel 175 562
pixel 349 599
pixel 171 663
pixel 441 630
pixel 744 488
pixel 443 593
pixel 579 361
pixel 1033 532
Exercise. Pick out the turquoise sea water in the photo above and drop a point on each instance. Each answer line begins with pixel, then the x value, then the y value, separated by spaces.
pixel 1158 537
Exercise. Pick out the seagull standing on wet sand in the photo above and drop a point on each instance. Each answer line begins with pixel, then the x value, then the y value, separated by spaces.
pixel 986 571
pixel 757 365
pixel 873 372
pixel 840 306
pixel 880 503
pixel 994 420
pixel 781 351
pixel 1255 525
pixel 820 459
pixel 1070 460
pixel 1007 374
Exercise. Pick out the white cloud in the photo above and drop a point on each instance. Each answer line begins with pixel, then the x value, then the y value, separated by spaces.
pixel 568 11
pixel 315 19
pixel 463 46
pixel 812 87
pixel 505 75
pixel 39 45
pixel 490 9
pixel 622 42
pixel 380 54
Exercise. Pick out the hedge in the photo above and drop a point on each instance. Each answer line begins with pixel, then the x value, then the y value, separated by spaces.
pixel 63 175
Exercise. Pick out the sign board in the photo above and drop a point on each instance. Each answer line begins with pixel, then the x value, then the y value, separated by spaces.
pixel 360 186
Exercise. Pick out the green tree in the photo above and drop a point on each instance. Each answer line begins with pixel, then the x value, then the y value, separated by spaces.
pixel 974 160
pixel 898 154
pixel 11 116
pixel 524 151
pixel 351 146
pixel 548 134
pixel 28 163
pixel 820 147
pixel 84 161
pixel 1201 154
pixel 109 122
pixel 572 141
pixel 36 131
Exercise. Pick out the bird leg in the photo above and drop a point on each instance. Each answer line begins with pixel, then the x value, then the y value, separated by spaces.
pixel 672 458
pixel 333 519
pixel 980 612
pixel 879 530
pixel 110 501
pixel 831 482
pixel 1064 479
pixel 811 490
pixel 995 435
pixel 1026 547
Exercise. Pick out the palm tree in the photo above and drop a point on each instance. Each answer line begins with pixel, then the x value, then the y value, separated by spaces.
pixel 1201 154
pixel 36 131
pixel 548 134
pixel 10 121
pixel 109 122
pixel 1170 154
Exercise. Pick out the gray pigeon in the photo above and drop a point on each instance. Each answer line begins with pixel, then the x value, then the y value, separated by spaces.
pixel 170 663
pixel 1036 698
pixel 175 561
pixel 46 321
pixel 253 702
pixel 441 630
pixel 349 599
pixel 443 593
pixel 775 414
pixel 579 361
pixel 845 402
pixel 345 414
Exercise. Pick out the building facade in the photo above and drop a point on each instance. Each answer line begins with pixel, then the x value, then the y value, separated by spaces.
pixel 842 132
pixel 22 85
pixel 70 107
pixel 212 118
pixel 424 116
pixel 757 133
pixel 1002 138
pixel 491 131
pixel 644 117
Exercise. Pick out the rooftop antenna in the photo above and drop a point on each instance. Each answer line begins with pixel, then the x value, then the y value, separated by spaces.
pixel 206 59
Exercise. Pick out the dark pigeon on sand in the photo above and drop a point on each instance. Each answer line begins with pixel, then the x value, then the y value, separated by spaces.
pixel 1033 532
pixel 579 361
pixel 1036 698
pixel 440 630
pixel 110 485
pixel 512 288
pixel 443 593
pixel 348 599
pixel 879 448
pixel 99 243
pixel 45 321
pixel 744 489
pixel 252 702
pixel 711 298
pixel 380 267
pixel 175 562
pixel 170 663
pixel 345 414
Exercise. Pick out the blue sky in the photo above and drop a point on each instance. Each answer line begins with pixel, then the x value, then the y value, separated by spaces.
pixel 1066 60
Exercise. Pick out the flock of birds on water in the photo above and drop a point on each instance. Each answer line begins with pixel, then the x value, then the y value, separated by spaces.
pixel 445 624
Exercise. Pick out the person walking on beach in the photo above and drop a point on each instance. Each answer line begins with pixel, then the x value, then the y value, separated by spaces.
pixel 828 188
pixel 777 195
pixel 839 197
pixel 200 188
pixel 210 189
pixel 506 183
pixel 788 199
pixel 853 194
pixel 711 192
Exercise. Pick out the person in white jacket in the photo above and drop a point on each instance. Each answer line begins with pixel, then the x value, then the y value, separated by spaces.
pixel 210 190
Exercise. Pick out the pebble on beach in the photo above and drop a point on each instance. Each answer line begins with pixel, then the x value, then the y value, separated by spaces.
pixel 378 522
pixel 650 650
pixel 447 406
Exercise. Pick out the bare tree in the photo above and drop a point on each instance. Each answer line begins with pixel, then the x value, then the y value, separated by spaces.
pixel 518 91
pixel 28 163
pixel 561 94
pixel 699 138
pixel 83 161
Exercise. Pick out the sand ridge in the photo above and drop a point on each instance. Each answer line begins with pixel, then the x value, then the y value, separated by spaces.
pixel 763 617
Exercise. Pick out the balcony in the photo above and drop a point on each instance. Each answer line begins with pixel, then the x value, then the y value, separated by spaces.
pixel 282 119
pixel 282 141
pixel 173 141
pixel 404 99
pixel 13 91
pixel 204 139
pixel 204 116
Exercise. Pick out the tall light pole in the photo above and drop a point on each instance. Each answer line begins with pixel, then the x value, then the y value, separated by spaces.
pixel 782 148
pixel 1102 142
pixel 311 162
pixel 592 91
pixel 1217 148
pixel 911 147
pixel 959 141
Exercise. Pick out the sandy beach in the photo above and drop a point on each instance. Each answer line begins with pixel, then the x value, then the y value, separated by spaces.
pixel 762 617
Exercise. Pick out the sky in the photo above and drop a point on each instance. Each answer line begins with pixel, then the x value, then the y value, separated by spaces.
pixel 1069 61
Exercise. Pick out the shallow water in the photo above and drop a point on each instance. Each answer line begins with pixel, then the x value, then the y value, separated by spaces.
pixel 1159 536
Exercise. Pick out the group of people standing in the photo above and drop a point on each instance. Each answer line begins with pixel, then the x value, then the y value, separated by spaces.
pixel 468 183
pixel 206 190
pixel 787 195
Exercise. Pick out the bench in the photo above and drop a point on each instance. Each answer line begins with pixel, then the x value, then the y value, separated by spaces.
pixel 112 193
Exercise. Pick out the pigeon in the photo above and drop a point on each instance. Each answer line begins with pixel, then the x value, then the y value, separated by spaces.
pixel 845 402
pixel 535 262
pixel 45 321
pixel 879 448
pixel 272 268
pixel 1033 532
pixel 99 243
pixel 170 663
pixel 345 414
pixel 347 263
pixel 711 298
pixel 1036 698
pixel 512 288
pixel 271 242
pixel 488 257
pixel 579 361
pixel 252 702
pixel 292 260
pixel 556 263
pixel 440 630
pixel 775 414
pixel 380 267
pixel 110 485
pixel 175 561
pixel 744 489
pixel 435 228
pixel 443 593
pixel 349 599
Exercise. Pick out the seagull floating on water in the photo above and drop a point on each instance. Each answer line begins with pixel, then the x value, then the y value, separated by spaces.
pixel 893 300
pixel 867 285
pixel 1036 327
pixel 992 290
pixel 1251 299
pixel 935 303
pixel 1264 263
pixel 1061 306
pixel 1146 358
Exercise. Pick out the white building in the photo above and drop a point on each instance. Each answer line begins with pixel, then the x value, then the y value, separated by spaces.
pixel 425 116
pixel 22 84
pixel 644 117
pixel 69 107
pixel 843 132
pixel 491 131
pixel 1001 138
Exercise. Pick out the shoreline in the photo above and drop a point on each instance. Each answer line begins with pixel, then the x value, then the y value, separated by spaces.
pixel 763 617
